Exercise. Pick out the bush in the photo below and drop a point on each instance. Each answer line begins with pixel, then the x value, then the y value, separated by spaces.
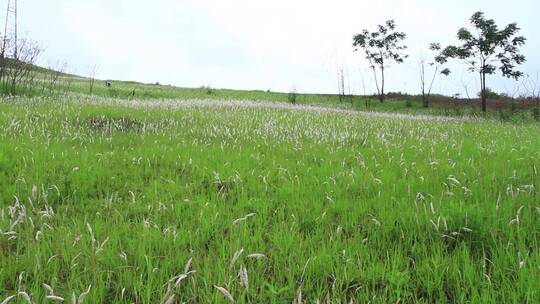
pixel 536 113
pixel 513 106
pixel 408 103
pixel 490 94
pixel 114 93
pixel 208 90
pixel 504 116
pixel 292 96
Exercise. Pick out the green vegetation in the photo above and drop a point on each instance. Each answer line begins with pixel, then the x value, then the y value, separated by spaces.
pixel 123 192
pixel 380 48
pixel 200 202
pixel 486 49
pixel 58 85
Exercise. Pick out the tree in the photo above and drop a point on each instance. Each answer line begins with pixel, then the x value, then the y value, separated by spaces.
pixel 533 89
pixel 341 83
pixel 380 48
pixel 344 88
pixel 426 87
pixel 52 80
pixel 486 48
pixel 17 70
pixel 292 95
pixel 93 70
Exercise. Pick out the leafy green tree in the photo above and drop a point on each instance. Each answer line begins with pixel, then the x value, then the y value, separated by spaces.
pixel 380 48
pixel 485 49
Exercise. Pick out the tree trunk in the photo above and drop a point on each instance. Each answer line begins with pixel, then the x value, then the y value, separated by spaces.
pixel 425 98
pixel 381 98
pixel 2 67
pixel 92 86
pixel 13 85
pixel 425 101
pixel 537 112
pixel 484 95
pixel 376 80
pixel 483 92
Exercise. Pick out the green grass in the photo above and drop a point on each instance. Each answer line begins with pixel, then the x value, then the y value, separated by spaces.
pixel 346 207
pixel 68 85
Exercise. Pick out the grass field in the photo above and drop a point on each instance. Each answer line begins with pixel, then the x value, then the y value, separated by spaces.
pixel 50 83
pixel 106 201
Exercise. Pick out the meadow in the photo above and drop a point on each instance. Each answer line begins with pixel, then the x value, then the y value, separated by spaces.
pixel 50 83
pixel 106 200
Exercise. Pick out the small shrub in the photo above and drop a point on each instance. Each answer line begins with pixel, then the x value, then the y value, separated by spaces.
pixel 292 96
pixel 110 124
pixel 504 116
pixel 408 103
pixel 513 106
pixel 114 92
pixel 208 90
pixel 536 113
pixel 490 94
pixel 458 111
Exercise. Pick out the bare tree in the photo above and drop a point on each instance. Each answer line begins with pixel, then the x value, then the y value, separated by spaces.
pixel 93 71
pixel 67 88
pixel 51 80
pixel 366 99
pixel 3 59
pixel 512 93
pixel 17 70
pixel 532 87
pixel 17 57
pixel 436 67
pixel 344 86
pixel 465 85
pixel 293 95
pixel 341 83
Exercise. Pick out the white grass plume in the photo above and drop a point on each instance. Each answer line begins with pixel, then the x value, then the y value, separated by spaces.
pixel 225 293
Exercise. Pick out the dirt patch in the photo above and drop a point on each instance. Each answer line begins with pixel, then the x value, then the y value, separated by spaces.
pixel 112 124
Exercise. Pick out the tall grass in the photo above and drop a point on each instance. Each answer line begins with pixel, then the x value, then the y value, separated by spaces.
pixel 204 204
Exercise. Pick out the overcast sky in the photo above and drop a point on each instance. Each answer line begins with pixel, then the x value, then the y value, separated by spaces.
pixel 259 44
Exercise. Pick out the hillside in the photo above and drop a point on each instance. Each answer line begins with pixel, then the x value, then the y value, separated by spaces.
pixel 397 102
